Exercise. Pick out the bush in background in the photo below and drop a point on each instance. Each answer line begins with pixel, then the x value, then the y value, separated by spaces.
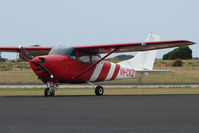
pixel 179 53
pixel 177 63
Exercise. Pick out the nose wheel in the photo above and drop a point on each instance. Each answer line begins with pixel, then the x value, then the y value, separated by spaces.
pixel 99 91
pixel 48 92
pixel 50 89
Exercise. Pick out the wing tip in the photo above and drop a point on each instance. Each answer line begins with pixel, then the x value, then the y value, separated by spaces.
pixel 189 42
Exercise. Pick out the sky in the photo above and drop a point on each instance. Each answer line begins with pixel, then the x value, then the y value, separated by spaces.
pixel 87 22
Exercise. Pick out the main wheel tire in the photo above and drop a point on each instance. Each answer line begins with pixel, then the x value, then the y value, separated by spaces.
pixel 47 94
pixel 99 90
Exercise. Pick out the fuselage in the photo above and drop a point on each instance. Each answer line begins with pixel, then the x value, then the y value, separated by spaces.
pixel 64 68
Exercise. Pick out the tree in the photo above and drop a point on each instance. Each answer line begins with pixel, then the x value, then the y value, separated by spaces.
pixel 123 57
pixel 179 53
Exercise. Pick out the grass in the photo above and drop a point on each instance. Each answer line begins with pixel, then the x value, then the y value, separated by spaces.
pixel 108 91
pixel 20 72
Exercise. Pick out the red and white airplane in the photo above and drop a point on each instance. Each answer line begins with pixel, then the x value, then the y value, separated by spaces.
pixel 82 64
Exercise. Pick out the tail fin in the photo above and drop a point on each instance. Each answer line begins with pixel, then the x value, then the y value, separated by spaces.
pixel 143 60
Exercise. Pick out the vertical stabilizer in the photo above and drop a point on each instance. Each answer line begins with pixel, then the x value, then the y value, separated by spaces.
pixel 143 60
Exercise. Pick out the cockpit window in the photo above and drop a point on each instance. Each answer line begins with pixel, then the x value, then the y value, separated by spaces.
pixel 71 52
pixel 68 51
pixel 89 58
pixel 83 57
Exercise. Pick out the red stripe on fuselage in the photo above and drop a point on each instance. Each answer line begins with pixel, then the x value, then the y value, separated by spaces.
pixel 117 68
pixel 104 72
pixel 87 75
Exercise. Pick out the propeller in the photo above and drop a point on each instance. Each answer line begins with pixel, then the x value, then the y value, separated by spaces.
pixel 26 53
pixel 31 60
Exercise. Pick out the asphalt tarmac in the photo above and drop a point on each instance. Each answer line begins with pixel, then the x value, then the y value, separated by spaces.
pixel 104 114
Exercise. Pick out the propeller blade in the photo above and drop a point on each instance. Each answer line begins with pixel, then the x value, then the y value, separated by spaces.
pixel 26 53
pixel 46 70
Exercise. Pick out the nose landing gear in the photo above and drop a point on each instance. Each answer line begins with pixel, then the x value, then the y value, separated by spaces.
pixel 50 89
pixel 48 92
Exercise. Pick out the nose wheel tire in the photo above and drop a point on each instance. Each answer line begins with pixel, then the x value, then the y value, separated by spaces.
pixel 99 90
pixel 48 92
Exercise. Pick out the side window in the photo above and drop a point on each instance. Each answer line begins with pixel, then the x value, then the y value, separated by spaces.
pixel 95 58
pixel 84 57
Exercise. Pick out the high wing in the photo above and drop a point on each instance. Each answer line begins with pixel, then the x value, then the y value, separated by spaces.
pixel 132 47
pixel 106 48
pixel 32 50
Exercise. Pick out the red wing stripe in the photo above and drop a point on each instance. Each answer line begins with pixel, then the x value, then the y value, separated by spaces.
pixel 104 72
pixel 117 68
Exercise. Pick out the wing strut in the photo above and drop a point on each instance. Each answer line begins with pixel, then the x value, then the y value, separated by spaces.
pixel 91 66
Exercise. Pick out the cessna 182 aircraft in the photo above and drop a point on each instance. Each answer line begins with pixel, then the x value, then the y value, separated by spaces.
pixel 80 64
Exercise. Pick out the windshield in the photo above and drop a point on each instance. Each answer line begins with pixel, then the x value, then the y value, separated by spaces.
pixel 68 51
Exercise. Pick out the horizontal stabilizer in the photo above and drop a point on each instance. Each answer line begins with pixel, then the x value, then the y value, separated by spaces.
pixel 154 71
pixel 142 73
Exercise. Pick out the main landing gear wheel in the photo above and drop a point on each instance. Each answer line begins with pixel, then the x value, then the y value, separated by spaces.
pixel 99 90
pixel 48 92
